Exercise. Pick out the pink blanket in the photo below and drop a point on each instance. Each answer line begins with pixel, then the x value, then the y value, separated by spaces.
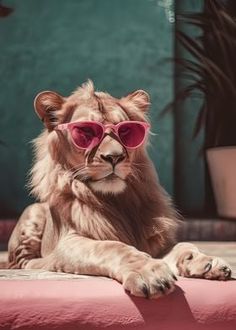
pixel 94 303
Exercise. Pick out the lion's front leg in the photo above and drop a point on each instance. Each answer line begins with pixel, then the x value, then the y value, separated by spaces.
pixel 186 260
pixel 26 238
pixel 140 274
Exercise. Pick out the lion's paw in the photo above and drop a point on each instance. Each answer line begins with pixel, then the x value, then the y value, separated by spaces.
pixel 217 269
pixel 153 280
pixel 202 266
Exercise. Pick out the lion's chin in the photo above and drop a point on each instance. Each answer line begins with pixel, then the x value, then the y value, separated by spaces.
pixel 109 186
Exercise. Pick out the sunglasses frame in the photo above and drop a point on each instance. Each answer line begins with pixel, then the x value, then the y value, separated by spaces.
pixel 114 127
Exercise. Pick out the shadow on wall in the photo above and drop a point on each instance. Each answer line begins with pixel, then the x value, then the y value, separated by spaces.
pixel 5 11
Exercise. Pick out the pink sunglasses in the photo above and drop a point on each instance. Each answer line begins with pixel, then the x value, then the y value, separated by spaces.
pixel 88 134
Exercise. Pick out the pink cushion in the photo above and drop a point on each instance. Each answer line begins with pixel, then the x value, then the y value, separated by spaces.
pixel 94 303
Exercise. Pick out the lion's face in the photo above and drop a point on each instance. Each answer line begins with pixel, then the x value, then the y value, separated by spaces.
pixel 106 167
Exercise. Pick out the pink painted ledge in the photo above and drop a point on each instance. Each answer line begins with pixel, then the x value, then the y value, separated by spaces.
pixel 98 303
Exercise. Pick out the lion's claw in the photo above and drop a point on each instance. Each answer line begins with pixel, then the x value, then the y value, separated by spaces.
pixel 152 280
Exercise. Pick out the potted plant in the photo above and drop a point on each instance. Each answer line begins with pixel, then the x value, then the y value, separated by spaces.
pixel 211 67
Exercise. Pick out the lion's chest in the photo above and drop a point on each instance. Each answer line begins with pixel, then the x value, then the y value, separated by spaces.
pixel 109 226
pixel 92 223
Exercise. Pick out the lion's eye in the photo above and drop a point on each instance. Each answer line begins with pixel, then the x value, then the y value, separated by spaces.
pixel 124 131
pixel 88 131
pixel 131 134
pixel 83 136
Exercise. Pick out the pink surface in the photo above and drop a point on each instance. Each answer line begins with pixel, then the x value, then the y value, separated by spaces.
pixel 100 303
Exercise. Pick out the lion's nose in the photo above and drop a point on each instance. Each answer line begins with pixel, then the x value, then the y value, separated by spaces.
pixel 113 159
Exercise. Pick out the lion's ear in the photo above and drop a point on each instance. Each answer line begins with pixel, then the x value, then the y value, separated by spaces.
pixel 140 99
pixel 46 105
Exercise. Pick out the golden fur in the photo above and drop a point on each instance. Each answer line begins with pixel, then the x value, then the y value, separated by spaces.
pixel 94 218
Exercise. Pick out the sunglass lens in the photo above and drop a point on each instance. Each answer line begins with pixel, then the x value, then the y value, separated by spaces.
pixel 131 134
pixel 84 134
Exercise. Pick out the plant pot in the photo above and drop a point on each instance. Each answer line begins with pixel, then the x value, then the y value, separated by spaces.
pixel 222 167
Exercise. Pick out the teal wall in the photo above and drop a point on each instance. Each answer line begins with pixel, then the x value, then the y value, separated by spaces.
pixel 120 44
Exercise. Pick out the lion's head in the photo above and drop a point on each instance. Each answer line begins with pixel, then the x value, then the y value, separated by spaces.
pixel 107 166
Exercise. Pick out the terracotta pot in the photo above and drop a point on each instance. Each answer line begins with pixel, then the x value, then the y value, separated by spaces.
pixel 222 167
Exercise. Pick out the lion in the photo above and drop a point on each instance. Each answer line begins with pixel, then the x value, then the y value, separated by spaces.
pixel 101 209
